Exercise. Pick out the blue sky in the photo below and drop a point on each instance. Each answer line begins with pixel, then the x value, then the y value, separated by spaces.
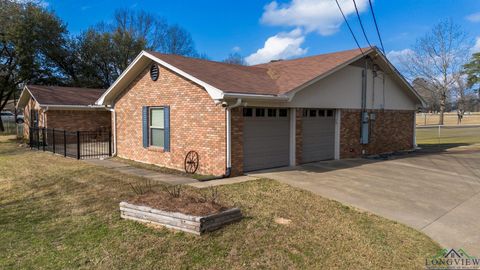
pixel 262 30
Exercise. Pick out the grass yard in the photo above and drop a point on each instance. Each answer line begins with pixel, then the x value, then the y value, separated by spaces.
pixel 62 213
pixel 448 136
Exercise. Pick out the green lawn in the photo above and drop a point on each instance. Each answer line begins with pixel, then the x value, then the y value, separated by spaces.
pixel 60 213
pixel 448 136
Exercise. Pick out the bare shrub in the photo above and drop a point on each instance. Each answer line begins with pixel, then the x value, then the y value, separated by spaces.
pixel 142 188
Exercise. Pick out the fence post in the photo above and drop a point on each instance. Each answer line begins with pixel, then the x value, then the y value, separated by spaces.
pixel 64 143
pixel 53 140
pixel 30 137
pixel 78 144
pixel 43 139
pixel 38 138
pixel 109 143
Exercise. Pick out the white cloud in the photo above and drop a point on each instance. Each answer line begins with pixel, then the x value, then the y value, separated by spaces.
pixel 474 17
pixel 281 46
pixel 476 47
pixel 396 57
pixel 321 16
pixel 236 49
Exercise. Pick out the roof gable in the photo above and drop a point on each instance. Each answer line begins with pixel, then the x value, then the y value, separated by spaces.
pixel 280 79
pixel 60 96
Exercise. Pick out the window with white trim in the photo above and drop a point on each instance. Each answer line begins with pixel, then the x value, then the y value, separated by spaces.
pixel 156 127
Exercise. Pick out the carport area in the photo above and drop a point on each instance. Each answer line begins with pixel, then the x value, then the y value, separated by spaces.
pixel 436 193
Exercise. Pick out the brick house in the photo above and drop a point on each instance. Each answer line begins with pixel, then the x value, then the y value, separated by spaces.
pixel 243 118
pixel 65 108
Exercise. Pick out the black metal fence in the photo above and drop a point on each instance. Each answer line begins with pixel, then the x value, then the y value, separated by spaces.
pixel 77 144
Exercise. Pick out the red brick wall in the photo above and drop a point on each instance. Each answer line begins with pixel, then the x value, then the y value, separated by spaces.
pixel 70 120
pixel 237 141
pixel 196 123
pixel 76 120
pixel 390 131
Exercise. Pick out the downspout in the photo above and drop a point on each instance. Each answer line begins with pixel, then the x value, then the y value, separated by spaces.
pixel 228 170
pixel 114 130
pixel 228 131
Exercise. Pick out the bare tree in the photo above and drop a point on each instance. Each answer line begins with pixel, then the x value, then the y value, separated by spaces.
pixel 235 58
pixel 426 90
pixel 178 41
pixel 438 58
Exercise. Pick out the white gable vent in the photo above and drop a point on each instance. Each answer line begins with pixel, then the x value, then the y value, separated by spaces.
pixel 154 72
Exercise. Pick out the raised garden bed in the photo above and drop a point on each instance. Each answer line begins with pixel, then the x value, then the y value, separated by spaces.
pixel 175 220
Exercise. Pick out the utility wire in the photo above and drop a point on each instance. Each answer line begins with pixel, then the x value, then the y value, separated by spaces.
pixel 361 24
pixel 349 28
pixel 376 26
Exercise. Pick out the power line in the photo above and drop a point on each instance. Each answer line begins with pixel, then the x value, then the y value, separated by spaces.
pixel 349 28
pixel 361 24
pixel 376 25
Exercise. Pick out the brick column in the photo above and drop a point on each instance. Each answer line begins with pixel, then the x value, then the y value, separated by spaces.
pixel 237 141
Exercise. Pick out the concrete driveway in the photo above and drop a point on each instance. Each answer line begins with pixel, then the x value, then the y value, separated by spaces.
pixel 438 194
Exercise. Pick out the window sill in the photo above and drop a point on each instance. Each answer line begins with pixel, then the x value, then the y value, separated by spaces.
pixel 156 149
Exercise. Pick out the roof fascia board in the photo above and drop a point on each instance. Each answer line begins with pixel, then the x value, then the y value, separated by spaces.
pixel 214 92
pixel 101 100
pixel 292 93
pixel 255 96
pixel 73 107
pixel 22 96
pixel 403 80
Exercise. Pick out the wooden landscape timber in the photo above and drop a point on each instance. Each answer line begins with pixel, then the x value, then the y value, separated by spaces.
pixel 174 220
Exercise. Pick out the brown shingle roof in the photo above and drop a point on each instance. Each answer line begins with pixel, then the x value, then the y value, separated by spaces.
pixel 56 95
pixel 269 79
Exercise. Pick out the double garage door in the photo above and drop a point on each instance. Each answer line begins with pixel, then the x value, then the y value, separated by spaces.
pixel 266 141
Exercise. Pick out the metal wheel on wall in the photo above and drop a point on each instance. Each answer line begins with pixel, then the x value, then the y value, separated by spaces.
pixel 192 161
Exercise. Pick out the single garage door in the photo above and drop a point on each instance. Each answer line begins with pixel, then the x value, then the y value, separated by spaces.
pixel 265 138
pixel 318 135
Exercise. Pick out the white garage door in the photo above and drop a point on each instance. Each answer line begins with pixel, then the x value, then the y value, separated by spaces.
pixel 318 135
pixel 265 138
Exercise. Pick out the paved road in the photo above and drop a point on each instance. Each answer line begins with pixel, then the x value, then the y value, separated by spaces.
pixel 436 193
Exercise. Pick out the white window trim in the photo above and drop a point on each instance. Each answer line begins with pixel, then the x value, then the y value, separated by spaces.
pixel 150 127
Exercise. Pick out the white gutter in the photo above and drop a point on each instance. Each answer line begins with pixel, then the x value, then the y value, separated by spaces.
pixel 72 107
pixel 229 135
pixel 255 96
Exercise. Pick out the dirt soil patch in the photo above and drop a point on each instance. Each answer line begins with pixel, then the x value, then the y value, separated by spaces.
pixel 190 204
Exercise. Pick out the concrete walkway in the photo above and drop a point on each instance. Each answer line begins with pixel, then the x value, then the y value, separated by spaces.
pixel 150 174
pixel 438 194
pixel 220 182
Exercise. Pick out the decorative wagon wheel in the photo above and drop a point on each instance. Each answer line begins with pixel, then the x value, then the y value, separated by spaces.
pixel 191 162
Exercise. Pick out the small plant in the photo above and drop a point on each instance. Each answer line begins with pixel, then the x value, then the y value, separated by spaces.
pixel 142 188
pixel 214 195
pixel 211 195
pixel 174 190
